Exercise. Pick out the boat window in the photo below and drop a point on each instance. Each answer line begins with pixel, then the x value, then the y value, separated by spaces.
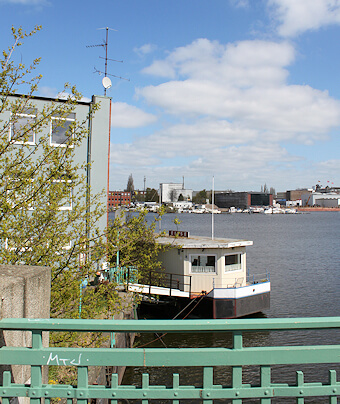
pixel 232 262
pixel 203 263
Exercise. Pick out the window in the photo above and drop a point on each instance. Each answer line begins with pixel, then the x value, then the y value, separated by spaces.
pixel 21 131
pixel 233 262
pixel 62 131
pixel 20 194
pixel 65 193
pixel 203 263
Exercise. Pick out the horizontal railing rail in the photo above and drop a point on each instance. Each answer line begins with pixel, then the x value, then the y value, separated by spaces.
pixel 127 275
pixel 257 278
pixel 209 359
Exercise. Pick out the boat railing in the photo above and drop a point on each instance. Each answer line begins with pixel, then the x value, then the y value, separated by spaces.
pixel 240 281
pixel 270 361
pixel 131 275
pixel 252 279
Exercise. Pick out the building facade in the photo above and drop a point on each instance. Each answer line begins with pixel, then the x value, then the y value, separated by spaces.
pixel 322 199
pixel 174 192
pixel 118 198
pixel 242 200
pixel 92 153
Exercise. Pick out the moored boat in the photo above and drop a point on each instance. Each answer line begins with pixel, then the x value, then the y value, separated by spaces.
pixel 218 276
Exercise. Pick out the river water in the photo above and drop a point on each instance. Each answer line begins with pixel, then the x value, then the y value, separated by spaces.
pixel 302 254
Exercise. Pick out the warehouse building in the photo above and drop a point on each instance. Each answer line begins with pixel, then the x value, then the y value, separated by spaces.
pixel 242 200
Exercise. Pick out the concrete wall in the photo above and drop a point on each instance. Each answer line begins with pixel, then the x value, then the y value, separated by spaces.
pixel 25 293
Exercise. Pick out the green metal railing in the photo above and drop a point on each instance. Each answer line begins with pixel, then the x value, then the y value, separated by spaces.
pixel 207 358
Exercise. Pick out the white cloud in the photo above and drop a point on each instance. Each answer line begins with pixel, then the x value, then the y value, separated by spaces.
pixel 245 83
pixel 240 3
pixel 128 116
pixel 50 92
pixel 145 49
pixel 26 2
pixel 297 16
pixel 231 109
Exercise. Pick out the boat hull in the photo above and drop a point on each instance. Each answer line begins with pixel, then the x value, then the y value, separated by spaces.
pixel 218 304
pixel 235 308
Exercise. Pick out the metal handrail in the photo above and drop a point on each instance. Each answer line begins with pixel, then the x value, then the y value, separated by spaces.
pixel 129 275
pixel 208 358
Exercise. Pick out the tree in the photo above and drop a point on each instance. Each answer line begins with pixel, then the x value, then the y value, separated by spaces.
pixel 135 241
pixel 180 198
pixel 151 195
pixel 37 180
pixel 130 187
pixel 172 195
pixel 201 197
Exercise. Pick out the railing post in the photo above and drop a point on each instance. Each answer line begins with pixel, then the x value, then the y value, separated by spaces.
pixel 190 285
pixel 82 384
pixel 265 382
pixel 36 372
pixel 6 382
pixel 237 370
pixel 150 282
pixel 170 283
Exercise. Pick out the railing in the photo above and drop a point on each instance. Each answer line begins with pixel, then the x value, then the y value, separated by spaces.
pixel 126 275
pixel 207 358
pixel 257 278
pixel 122 275
pixel 251 279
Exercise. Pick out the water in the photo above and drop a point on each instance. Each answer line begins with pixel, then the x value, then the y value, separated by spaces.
pixel 302 254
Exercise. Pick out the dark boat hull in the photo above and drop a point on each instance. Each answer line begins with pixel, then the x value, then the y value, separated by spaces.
pixel 203 307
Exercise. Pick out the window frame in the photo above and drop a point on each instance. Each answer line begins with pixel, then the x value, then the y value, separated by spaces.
pixel 69 208
pixel 203 272
pixel 58 118
pixel 240 263
pixel 17 117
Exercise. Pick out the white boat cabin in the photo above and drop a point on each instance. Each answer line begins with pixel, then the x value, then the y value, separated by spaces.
pixel 211 263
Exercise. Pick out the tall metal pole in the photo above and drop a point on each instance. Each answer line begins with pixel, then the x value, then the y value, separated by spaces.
pixel 106 43
pixel 212 208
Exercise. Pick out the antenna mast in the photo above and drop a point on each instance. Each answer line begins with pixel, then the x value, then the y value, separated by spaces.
pixel 106 81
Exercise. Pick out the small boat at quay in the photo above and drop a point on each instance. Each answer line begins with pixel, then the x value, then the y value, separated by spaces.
pixel 213 272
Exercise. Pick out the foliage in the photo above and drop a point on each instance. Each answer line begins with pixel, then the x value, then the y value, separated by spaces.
pixel 36 180
pixel 138 196
pixel 151 195
pixel 266 190
pixel 173 195
pixel 201 197
pixel 130 187
pixel 136 243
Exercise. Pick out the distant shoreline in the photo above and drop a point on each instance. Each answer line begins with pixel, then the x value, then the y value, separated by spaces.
pixel 318 209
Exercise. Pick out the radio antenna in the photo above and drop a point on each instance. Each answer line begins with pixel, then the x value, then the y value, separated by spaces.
pixel 106 80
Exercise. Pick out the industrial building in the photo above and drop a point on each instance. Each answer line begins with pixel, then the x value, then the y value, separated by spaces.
pixel 172 192
pixel 242 200
pixel 322 199
pixel 119 198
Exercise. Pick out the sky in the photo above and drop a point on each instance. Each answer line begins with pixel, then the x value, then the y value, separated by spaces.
pixel 243 91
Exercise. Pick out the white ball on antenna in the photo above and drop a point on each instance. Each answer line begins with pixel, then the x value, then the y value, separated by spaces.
pixel 106 82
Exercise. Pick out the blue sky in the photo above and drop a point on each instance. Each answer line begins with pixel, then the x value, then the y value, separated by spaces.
pixel 245 91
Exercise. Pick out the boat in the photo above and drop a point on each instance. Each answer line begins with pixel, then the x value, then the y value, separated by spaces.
pixel 212 272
